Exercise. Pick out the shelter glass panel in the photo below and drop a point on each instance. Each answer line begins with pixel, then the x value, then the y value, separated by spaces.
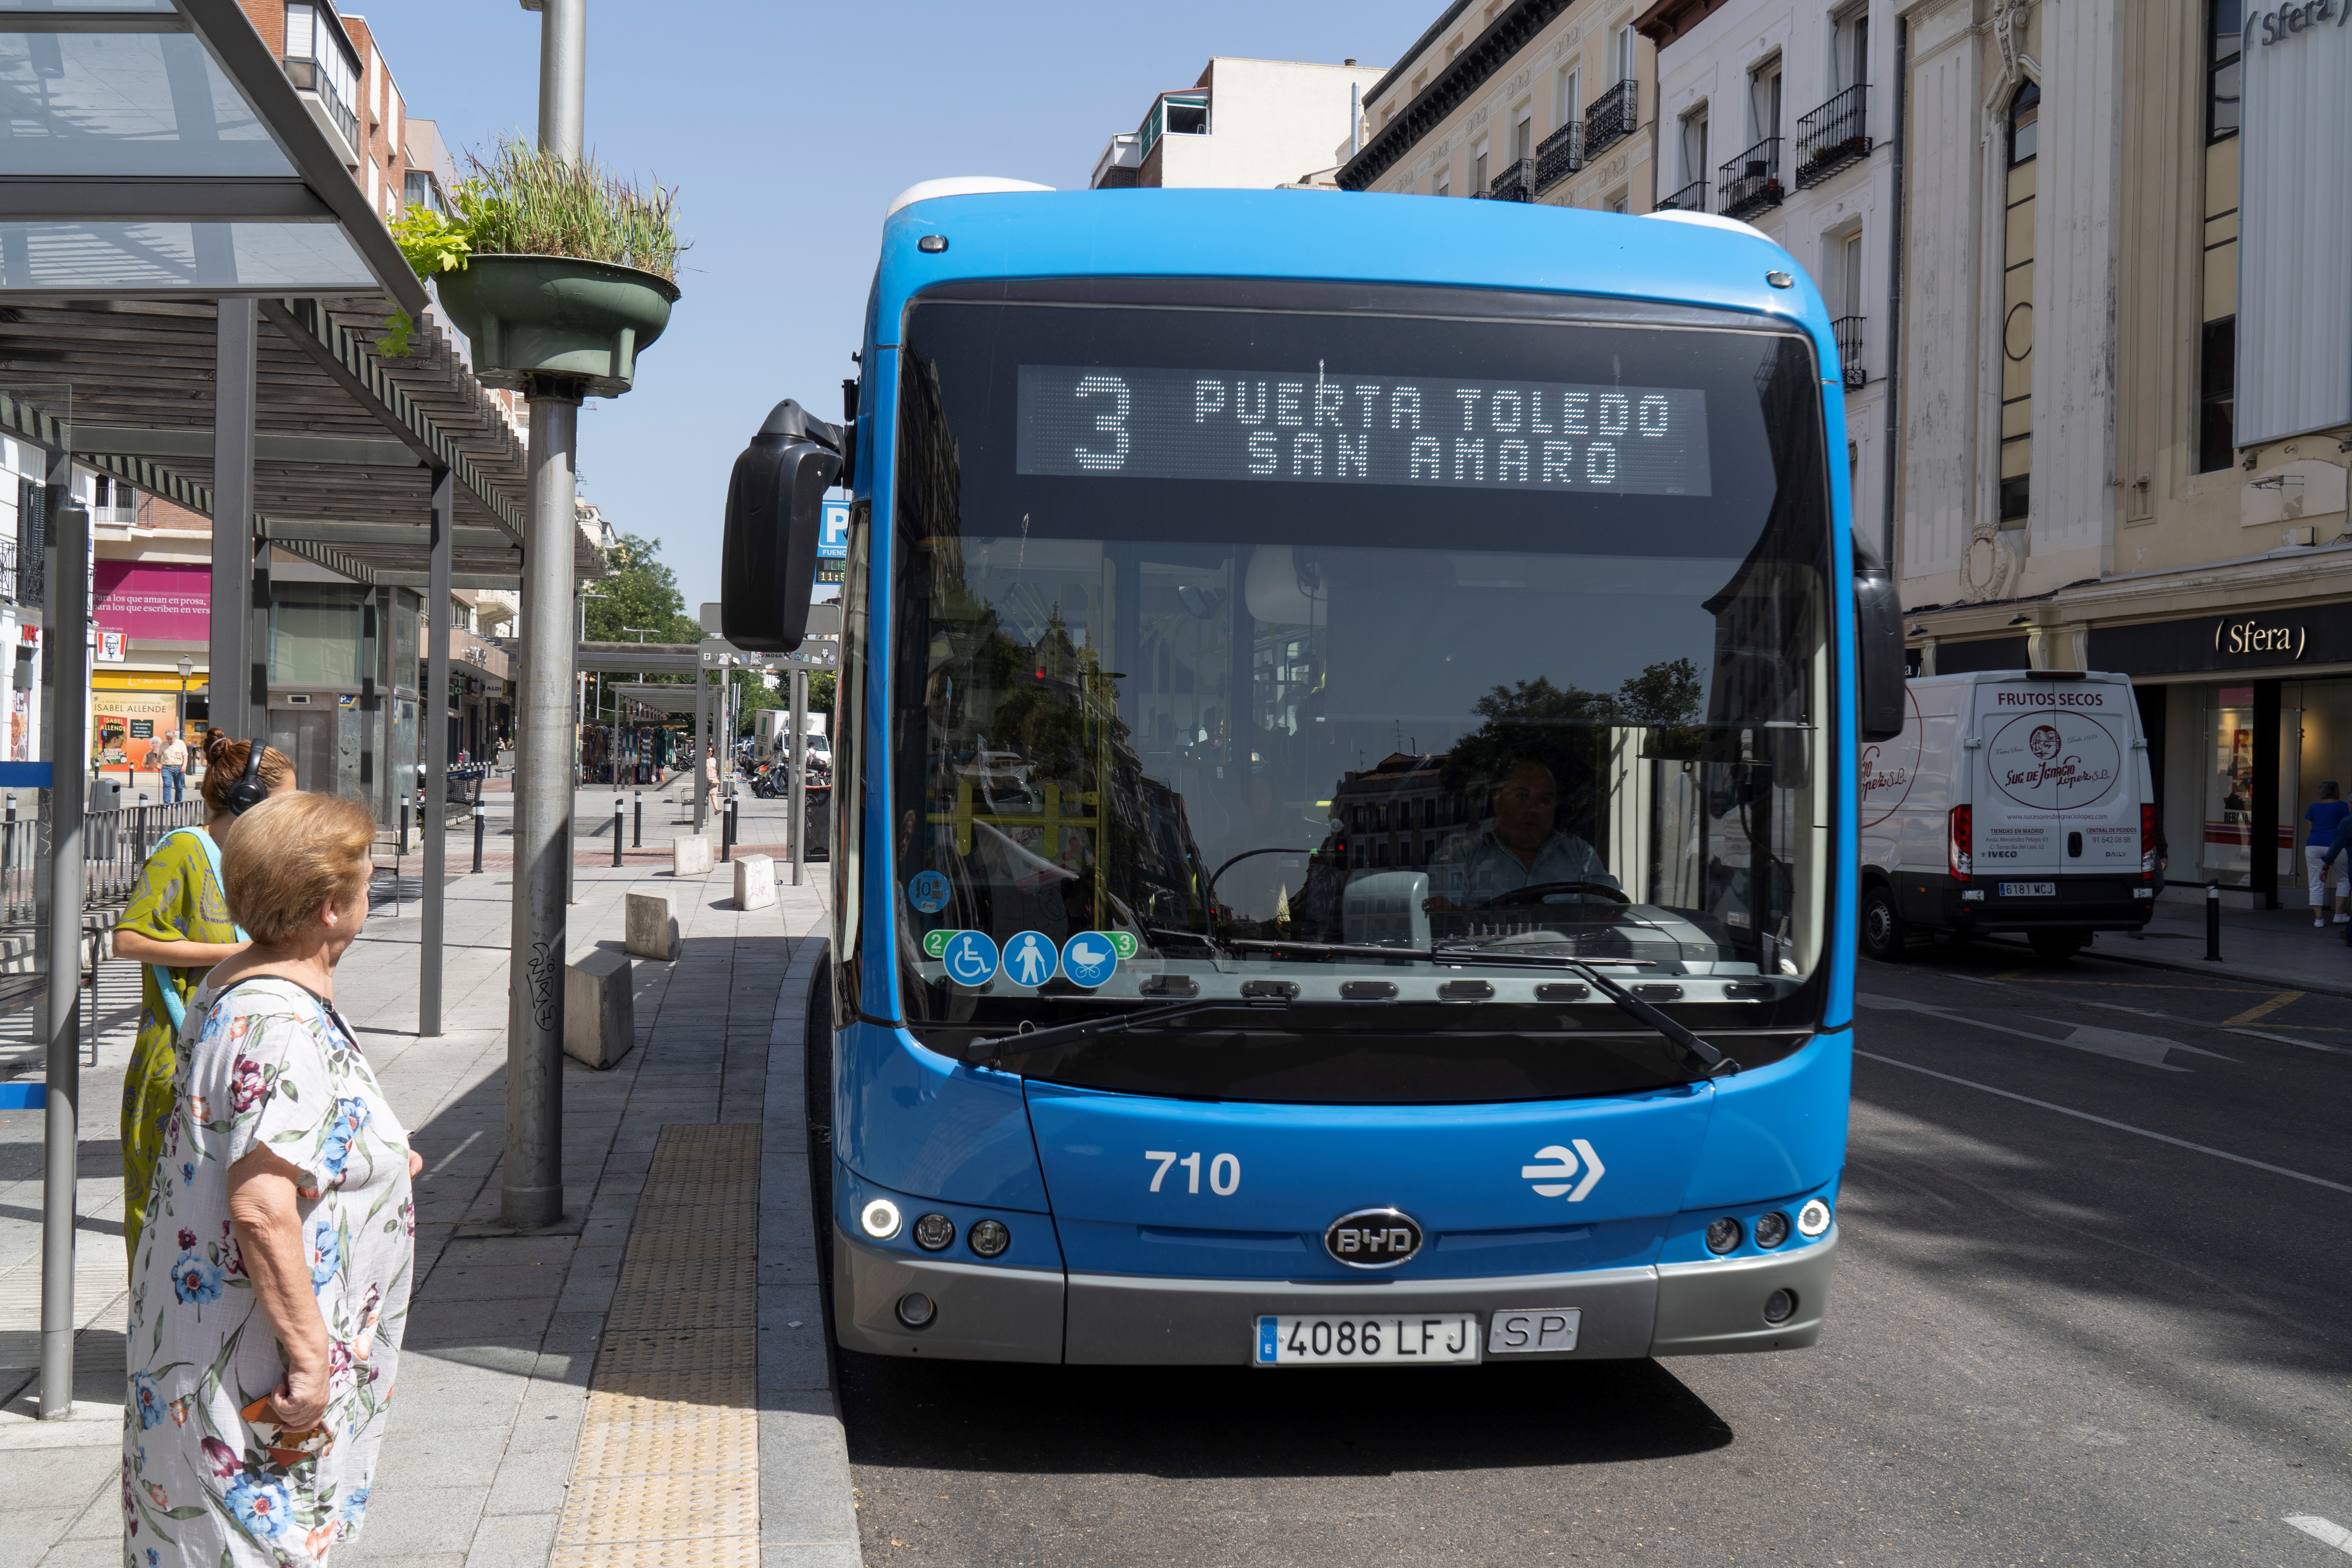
pixel 126 103
pixel 200 257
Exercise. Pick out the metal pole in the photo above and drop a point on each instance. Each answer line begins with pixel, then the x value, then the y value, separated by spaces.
pixel 234 335
pixel 2213 922
pixel 798 827
pixel 480 824
pixel 437 755
pixel 65 675
pixel 637 826
pixel 702 743
pixel 533 1193
pixel 617 805
pixel 562 77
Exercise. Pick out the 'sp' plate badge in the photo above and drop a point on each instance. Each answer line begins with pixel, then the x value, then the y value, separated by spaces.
pixel 1373 1238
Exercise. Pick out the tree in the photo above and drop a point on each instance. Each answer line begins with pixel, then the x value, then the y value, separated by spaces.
pixel 642 593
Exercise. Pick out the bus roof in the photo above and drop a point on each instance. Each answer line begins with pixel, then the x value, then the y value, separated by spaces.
pixel 1333 236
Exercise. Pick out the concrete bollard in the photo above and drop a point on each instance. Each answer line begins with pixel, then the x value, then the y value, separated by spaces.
pixel 600 1018
pixel 689 855
pixel 755 882
pixel 652 926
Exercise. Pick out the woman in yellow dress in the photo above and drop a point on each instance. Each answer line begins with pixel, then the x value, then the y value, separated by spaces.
pixel 177 929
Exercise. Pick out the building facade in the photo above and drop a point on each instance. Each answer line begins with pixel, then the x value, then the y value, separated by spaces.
pixel 1530 100
pixel 1247 124
pixel 2126 386
pixel 1784 116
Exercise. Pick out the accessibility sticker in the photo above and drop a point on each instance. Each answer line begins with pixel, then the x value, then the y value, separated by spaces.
pixel 935 943
pixel 970 958
pixel 1123 941
pixel 928 892
pixel 1030 958
pixel 1089 958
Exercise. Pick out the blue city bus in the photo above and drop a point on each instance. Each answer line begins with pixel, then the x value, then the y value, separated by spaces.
pixel 1345 755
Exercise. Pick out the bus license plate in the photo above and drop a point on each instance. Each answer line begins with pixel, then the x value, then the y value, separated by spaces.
pixel 1404 1340
pixel 2028 890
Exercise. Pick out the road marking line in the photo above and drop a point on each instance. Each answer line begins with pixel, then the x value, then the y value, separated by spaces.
pixel 2144 1050
pixel 446 1159
pixel 2291 1040
pixel 2118 1126
pixel 2260 1008
pixel 2326 1531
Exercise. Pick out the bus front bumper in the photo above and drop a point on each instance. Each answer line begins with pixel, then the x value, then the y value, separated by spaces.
pixel 981 1312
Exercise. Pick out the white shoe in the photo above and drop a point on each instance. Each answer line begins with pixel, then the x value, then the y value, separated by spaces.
pixel 2321 921
pixel 2341 919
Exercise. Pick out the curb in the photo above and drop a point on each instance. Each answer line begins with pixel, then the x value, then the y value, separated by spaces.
pixel 2198 966
pixel 808 1515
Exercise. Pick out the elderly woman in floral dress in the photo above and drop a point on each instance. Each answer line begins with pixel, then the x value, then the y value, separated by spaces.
pixel 270 1284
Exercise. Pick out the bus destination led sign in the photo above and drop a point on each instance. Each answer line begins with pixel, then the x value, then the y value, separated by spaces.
pixel 1255 426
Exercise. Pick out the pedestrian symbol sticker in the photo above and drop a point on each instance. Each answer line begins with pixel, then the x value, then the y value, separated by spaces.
pixel 1122 940
pixel 972 958
pixel 935 943
pixel 927 892
pixel 1029 958
pixel 1091 958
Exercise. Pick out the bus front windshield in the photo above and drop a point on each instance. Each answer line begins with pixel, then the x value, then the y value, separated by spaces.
pixel 1386 675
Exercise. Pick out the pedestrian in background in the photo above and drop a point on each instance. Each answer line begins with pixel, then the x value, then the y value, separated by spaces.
pixel 172 756
pixel 270 1288
pixel 2325 815
pixel 178 926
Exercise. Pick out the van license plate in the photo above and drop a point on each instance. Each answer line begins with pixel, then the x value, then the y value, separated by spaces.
pixel 1408 1339
pixel 2028 890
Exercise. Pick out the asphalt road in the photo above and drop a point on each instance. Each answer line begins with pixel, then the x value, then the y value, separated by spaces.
pixel 2112 1337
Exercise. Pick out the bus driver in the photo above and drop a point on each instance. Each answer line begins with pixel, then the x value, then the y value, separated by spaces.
pixel 1520 850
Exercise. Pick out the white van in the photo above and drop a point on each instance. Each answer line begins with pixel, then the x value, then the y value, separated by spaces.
pixel 2014 800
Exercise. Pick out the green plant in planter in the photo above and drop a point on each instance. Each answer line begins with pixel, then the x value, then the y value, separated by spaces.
pixel 548 266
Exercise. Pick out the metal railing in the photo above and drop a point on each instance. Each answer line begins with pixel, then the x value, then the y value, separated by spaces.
pixel 1833 136
pixel 1559 155
pixel 115 845
pixel 1848 332
pixel 20 574
pixel 1612 117
pixel 308 76
pixel 1691 198
pixel 1751 181
pixel 1517 183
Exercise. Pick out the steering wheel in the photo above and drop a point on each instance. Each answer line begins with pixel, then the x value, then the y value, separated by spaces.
pixel 1536 892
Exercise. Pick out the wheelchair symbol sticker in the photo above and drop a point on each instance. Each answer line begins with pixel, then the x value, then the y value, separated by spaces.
pixel 1030 958
pixel 927 892
pixel 1091 958
pixel 972 958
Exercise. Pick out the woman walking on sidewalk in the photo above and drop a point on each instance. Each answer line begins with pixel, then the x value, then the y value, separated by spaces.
pixel 2325 815
pixel 270 1288
pixel 176 927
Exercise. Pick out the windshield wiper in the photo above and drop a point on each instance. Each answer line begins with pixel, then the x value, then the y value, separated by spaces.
pixel 1466 954
pixel 978 1053
pixel 1695 1053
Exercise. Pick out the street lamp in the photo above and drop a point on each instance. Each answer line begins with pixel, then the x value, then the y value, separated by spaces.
pixel 187 669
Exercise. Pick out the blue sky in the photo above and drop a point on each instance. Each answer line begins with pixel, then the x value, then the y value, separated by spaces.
pixel 788 129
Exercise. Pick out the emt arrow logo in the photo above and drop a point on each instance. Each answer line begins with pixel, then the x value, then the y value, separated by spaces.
pixel 1561 1175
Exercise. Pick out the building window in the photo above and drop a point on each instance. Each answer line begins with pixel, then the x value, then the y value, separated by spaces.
pixel 1442 183
pixel 1479 168
pixel 2017 312
pixel 1764 101
pixel 1694 145
pixel 1567 99
pixel 1850 49
pixel 1523 134
pixel 2217 379
pixel 1625 36
pixel 319 60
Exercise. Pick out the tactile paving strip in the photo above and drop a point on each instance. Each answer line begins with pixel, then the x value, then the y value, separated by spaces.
pixel 666 1469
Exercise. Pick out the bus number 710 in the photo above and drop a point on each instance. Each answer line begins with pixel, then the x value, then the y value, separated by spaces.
pixel 1225 1171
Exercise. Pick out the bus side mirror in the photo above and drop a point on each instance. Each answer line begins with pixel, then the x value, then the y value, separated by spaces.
pixel 1877 645
pixel 775 512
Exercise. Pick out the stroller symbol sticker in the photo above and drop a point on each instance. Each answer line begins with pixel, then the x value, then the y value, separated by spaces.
pixel 928 892
pixel 972 959
pixel 1091 958
pixel 1030 958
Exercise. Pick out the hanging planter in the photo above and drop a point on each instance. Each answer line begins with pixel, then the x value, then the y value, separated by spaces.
pixel 556 315
pixel 550 268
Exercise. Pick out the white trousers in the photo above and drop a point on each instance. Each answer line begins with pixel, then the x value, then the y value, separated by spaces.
pixel 2313 855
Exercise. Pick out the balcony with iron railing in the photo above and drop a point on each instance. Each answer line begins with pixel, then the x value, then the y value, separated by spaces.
pixel 309 76
pixel 1833 136
pixel 1847 330
pixel 1517 183
pixel 1559 155
pixel 1612 117
pixel 1691 198
pixel 21 582
pixel 1751 181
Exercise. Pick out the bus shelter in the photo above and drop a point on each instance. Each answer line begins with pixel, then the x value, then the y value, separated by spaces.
pixel 196 288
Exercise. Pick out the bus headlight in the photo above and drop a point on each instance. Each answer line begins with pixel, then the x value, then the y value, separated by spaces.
pixel 1772 1229
pixel 934 1232
pixel 880 1219
pixel 1813 1218
pixel 1723 1235
pixel 988 1238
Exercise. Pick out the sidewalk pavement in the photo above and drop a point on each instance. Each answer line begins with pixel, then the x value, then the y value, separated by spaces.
pixel 499 1453
pixel 2268 947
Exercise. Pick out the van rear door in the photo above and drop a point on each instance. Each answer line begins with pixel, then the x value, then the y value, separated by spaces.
pixel 2057 785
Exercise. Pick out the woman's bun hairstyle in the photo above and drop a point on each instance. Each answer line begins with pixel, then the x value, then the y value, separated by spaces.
pixel 225 764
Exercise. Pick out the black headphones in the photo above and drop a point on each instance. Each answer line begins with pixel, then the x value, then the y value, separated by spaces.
pixel 249 791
